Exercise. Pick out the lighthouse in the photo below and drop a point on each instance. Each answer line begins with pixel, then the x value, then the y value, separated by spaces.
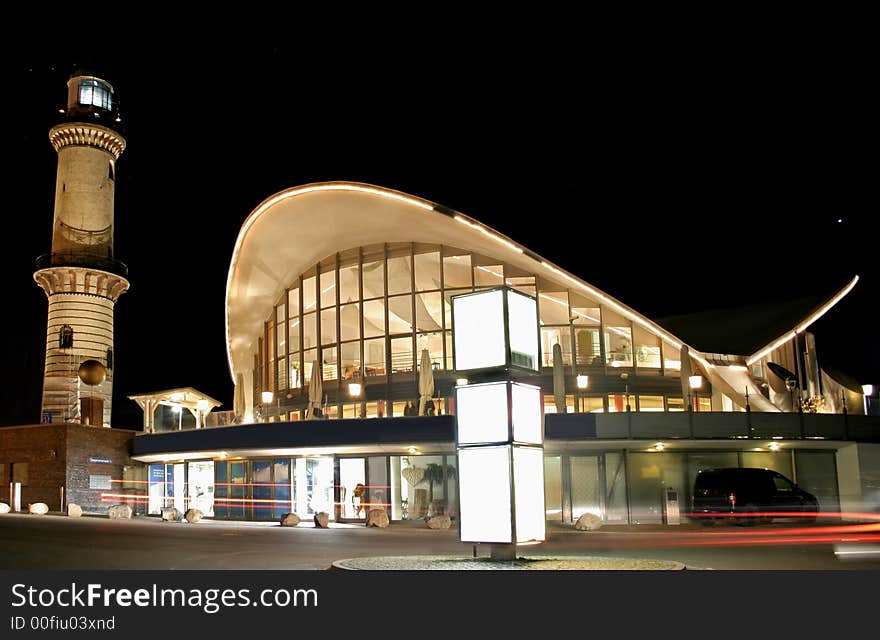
pixel 81 277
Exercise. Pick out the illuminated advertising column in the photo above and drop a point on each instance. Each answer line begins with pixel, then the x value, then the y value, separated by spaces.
pixel 500 422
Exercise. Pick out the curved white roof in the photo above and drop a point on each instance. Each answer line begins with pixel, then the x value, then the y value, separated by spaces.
pixel 293 230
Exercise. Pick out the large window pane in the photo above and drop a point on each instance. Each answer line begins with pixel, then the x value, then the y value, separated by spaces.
pixel 427 271
pixel 488 275
pixel 587 345
pixel 281 338
pixel 351 360
pixel 349 322
pixel 348 284
pixel 374 318
pixel 309 293
pixel 650 403
pixel 328 288
pixel 647 349
pixel 295 380
pixel 374 279
pixel 551 336
pixel 293 303
pixel 310 330
pixel 554 307
pixel 309 364
pixel 457 271
pixel 401 355
pixel 400 314
pixel 282 374
pixel 328 326
pixel 618 340
pixel 399 275
pixel 429 311
pixel 329 361
pixel 374 357
pixel 293 337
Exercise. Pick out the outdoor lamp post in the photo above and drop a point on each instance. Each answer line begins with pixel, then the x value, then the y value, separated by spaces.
pixel 267 397
pixel 695 383
pixel 582 383
pixel 499 435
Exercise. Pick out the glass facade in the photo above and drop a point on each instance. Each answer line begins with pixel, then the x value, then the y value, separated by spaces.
pixel 365 315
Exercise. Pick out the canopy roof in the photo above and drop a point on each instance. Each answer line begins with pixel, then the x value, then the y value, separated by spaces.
pixel 295 229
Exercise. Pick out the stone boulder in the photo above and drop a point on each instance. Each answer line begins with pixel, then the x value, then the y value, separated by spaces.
pixel 377 518
pixel 171 514
pixel 119 512
pixel 193 515
pixel 38 508
pixel 588 522
pixel 74 510
pixel 289 520
pixel 439 522
pixel 322 520
pixel 5 508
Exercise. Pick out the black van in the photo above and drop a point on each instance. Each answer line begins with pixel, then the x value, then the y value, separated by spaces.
pixel 743 490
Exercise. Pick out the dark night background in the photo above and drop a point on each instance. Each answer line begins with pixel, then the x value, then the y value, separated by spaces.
pixel 677 181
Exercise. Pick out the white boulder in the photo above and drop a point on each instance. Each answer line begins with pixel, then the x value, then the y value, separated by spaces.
pixel 193 515
pixel 119 512
pixel 38 508
pixel 322 520
pixel 588 522
pixel 171 514
pixel 289 520
pixel 4 508
pixel 439 522
pixel 74 510
pixel 377 518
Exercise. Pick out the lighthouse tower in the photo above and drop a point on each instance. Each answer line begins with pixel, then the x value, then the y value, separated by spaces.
pixel 81 277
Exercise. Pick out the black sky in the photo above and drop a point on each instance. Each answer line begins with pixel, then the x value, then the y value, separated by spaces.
pixel 674 186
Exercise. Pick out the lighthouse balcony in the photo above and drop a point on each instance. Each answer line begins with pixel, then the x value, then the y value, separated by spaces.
pixel 87 260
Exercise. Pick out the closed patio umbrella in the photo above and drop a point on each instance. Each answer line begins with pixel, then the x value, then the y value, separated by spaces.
pixel 426 381
pixel 558 379
pixel 238 398
pixel 316 390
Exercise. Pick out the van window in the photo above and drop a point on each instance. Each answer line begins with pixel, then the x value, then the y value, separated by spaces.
pixel 782 484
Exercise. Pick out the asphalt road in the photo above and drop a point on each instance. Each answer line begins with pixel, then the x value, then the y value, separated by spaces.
pixel 58 542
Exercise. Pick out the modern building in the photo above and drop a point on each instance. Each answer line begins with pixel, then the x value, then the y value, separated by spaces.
pixel 338 292
pixel 348 284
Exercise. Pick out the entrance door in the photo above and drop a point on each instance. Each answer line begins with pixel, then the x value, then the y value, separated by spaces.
pixel 586 486
pixel 313 486
pixel 352 488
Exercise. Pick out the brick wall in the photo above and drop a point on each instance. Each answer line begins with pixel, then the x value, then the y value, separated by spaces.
pixel 59 455
pixel 88 449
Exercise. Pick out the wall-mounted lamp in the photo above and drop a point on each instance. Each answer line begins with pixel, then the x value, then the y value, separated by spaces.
pixel 774 446
pixel 354 389
pixel 583 382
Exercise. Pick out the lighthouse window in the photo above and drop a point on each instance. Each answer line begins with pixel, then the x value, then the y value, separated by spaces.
pixel 93 92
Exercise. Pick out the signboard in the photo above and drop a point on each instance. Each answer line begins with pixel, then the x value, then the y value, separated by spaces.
pixel 495 328
pixel 97 460
pixel 100 482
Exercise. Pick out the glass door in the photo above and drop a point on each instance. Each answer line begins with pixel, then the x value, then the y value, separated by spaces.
pixel 353 496
pixel 313 486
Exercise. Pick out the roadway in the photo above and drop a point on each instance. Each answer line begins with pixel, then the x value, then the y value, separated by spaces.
pixel 58 542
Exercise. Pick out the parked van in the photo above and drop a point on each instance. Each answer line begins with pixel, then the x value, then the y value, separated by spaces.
pixel 744 490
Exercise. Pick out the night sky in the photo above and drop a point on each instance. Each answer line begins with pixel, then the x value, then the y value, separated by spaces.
pixel 674 187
